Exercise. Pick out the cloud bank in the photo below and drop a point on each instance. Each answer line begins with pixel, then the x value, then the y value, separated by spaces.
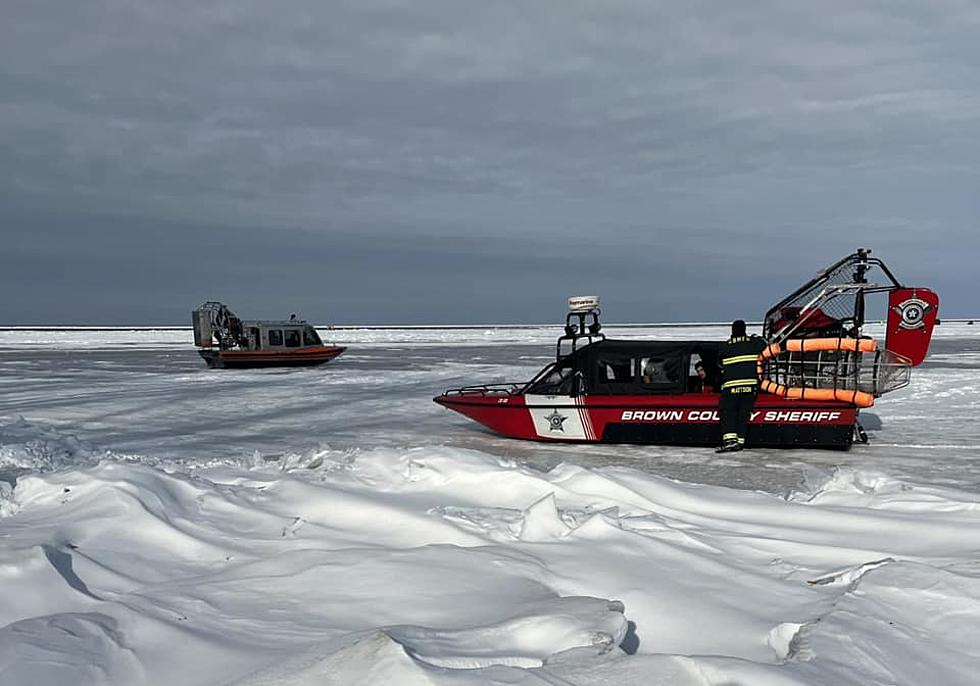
pixel 726 138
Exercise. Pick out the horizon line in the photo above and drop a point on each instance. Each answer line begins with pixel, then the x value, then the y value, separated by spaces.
pixel 345 327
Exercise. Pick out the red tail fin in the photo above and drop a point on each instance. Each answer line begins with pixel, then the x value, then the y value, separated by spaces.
pixel 912 315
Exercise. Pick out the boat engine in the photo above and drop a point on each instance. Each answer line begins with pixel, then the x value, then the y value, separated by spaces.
pixel 214 321
pixel 817 345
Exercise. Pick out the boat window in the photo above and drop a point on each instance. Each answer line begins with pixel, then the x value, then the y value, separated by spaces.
pixel 707 358
pixel 292 338
pixel 616 370
pixel 558 381
pixel 662 372
pixel 310 336
pixel 275 336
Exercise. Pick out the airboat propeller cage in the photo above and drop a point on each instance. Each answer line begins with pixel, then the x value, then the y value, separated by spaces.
pixel 817 342
pixel 213 320
pixel 833 304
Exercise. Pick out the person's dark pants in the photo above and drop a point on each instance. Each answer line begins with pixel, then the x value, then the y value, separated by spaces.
pixel 734 409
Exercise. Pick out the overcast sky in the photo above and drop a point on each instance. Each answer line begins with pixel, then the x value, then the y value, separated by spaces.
pixel 423 161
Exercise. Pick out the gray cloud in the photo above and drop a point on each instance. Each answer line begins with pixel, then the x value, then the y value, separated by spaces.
pixel 73 268
pixel 717 133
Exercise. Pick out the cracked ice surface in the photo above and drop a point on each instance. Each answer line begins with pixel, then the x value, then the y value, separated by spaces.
pixel 164 523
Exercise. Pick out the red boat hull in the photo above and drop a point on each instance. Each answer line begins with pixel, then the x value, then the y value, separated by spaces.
pixel 681 419
pixel 293 357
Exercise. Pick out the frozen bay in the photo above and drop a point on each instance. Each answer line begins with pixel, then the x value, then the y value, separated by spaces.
pixel 298 526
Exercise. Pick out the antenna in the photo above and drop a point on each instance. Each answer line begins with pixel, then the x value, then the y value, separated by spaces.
pixel 581 308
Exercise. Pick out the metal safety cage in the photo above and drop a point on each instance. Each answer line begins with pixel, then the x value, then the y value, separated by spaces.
pixel 831 303
pixel 877 372
pixel 214 318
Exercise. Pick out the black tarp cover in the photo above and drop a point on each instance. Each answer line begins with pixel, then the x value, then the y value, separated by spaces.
pixel 614 367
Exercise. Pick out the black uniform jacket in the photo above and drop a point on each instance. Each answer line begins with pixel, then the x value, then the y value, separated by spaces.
pixel 739 357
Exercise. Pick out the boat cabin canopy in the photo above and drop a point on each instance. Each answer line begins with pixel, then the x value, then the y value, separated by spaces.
pixel 612 367
pixel 258 335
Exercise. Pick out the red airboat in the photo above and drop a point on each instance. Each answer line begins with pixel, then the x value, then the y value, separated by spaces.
pixel 817 373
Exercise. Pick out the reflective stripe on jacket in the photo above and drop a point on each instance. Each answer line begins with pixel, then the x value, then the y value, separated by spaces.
pixel 738 357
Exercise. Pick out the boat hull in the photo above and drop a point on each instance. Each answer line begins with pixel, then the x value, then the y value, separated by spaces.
pixel 295 357
pixel 682 419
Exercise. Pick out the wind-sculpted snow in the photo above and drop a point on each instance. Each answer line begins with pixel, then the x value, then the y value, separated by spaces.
pixel 25 446
pixel 397 565
pixel 162 523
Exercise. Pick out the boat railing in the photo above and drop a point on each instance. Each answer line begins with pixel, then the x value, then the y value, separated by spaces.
pixel 500 389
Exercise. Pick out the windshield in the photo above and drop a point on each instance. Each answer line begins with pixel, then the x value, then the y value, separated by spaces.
pixel 310 336
pixel 556 379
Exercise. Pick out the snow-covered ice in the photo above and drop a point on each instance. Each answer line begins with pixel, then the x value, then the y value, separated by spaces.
pixel 163 523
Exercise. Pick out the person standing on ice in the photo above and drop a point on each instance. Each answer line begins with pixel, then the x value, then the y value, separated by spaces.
pixel 739 385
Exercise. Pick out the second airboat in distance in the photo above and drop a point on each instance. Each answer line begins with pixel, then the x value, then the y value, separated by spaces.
pixel 819 370
pixel 225 341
